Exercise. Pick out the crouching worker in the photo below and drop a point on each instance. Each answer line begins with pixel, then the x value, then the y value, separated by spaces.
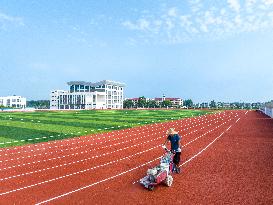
pixel 175 141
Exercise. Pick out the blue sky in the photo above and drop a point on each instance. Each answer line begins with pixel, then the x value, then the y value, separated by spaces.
pixel 203 50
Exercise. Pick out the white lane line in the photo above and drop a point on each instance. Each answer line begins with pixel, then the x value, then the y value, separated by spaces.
pixel 73 133
pixel 122 173
pixel 195 140
pixel 208 145
pixel 71 174
pixel 47 153
pixel 181 120
pixel 54 179
pixel 79 161
pixel 98 182
pixel 93 149
pixel 97 156
pixel 87 140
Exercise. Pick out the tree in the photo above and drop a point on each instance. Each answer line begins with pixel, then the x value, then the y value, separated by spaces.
pixel 2 107
pixel 142 102
pixel 212 104
pixel 188 103
pixel 152 104
pixel 166 103
pixel 40 104
pixel 128 104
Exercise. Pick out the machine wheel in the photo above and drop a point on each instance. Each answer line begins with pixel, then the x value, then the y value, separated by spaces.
pixel 177 170
pixel 151 187
pixel 169 180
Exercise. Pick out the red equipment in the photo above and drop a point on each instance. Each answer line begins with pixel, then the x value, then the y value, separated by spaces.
pixel 160 173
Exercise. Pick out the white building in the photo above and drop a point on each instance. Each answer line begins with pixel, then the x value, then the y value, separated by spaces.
pixel 13 101
pixel 105 94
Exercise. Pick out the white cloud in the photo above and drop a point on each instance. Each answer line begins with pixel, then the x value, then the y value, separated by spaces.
pixel 7 20
pixel 249 4
pixel 212 21
pixel 234 4
pixel 141 24
pixel 268 2
pixel 204 28
pixel 172 12
pixel 195 5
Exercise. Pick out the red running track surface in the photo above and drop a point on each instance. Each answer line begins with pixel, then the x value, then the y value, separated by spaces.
pixel 226 158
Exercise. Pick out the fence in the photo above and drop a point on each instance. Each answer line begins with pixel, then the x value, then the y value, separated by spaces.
pixel 268 111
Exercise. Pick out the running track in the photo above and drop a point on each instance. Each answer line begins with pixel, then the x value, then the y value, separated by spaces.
pixel 227 158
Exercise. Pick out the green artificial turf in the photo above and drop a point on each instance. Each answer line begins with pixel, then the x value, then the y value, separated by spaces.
pixel 19 128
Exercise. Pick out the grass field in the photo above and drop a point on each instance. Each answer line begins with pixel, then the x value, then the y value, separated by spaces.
pixel 27 128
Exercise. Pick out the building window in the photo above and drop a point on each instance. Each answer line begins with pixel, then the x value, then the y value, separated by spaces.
pixel 72 88
pixel 77 88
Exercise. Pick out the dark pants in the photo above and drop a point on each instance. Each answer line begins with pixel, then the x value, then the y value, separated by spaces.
pixel 176 158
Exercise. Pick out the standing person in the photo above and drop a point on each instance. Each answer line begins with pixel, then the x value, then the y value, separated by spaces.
pixel 175 141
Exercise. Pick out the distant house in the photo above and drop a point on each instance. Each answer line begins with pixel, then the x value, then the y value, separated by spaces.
pixel 176 102
pixel 13 101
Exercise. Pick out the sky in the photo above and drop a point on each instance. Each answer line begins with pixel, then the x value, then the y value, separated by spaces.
pixel 194 49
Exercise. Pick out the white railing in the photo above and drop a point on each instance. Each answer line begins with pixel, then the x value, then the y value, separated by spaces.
pixel 268 111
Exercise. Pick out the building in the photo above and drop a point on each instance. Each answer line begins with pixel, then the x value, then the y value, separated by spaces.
pixel 13 101
pixel 105 94
pixel 176 102
pixel 54 98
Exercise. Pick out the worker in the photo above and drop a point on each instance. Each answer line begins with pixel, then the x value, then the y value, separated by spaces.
pixel 175 140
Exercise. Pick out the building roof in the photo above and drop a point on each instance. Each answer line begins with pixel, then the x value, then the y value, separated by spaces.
pixel 12 96
pixel 160 99
pixel 132 99
pixel 103 82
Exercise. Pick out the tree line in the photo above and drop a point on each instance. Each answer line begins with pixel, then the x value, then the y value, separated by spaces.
pixel 142 102
pixel 39 104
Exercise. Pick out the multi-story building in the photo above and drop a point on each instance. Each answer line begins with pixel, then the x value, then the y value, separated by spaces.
pixel 13 101
pixel 105 94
